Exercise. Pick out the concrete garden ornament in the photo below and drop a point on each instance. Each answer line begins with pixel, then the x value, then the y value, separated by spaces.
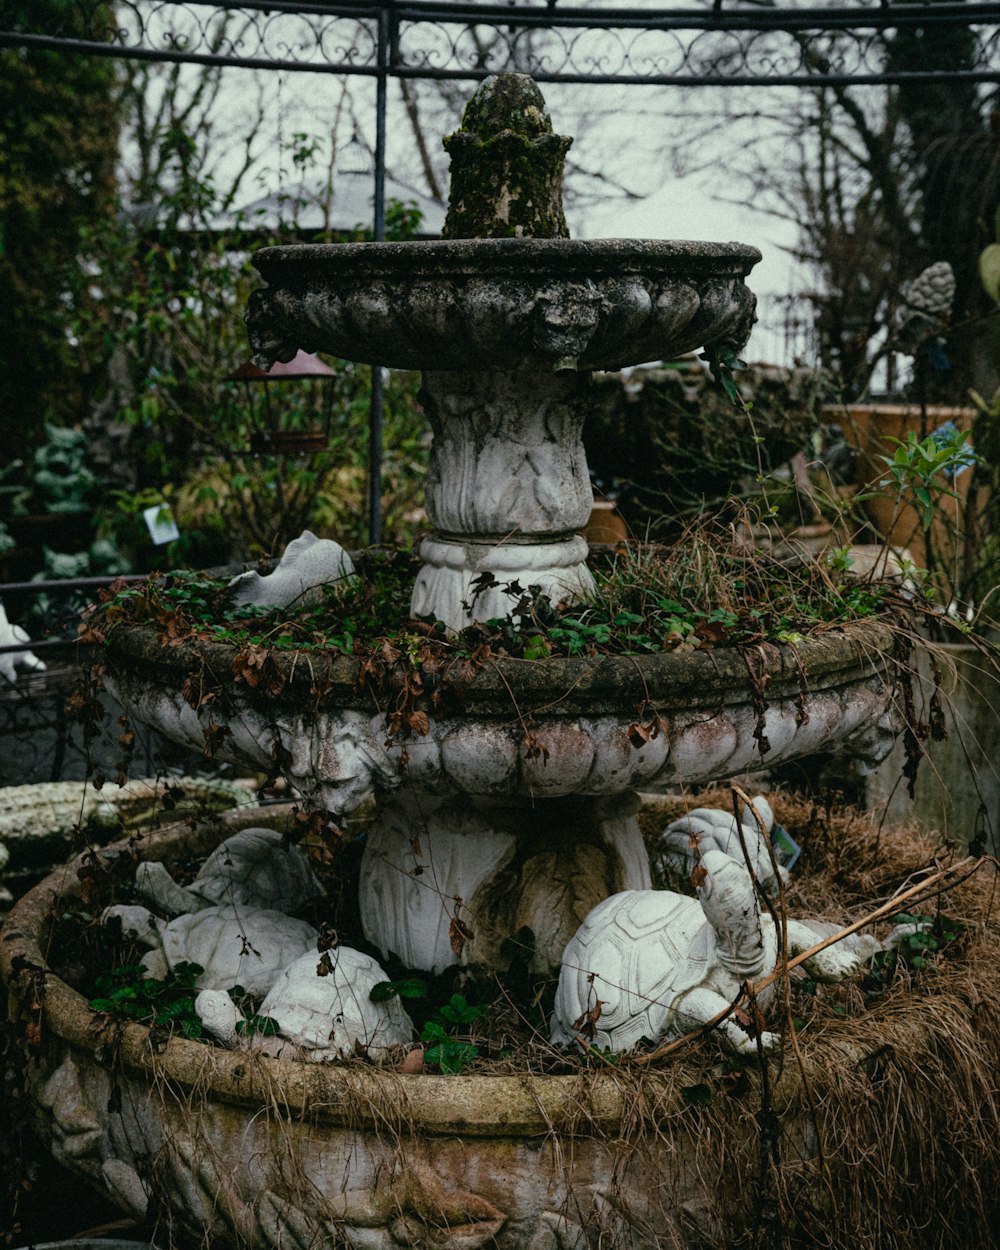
pixel 255 868
pixel 714 829
pixel 234 946
pixel 12 661
pixel 653 964
pixel 318 1016
pixel 307 564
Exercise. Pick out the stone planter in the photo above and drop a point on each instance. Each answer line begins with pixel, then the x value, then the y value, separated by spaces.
pixel 524 788
pixel 246 1152
pixel 328 727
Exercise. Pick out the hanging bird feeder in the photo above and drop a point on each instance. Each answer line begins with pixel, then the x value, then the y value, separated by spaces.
pixel 267 438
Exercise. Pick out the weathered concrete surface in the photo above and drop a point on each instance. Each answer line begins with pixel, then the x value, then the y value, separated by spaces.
pixel 957 793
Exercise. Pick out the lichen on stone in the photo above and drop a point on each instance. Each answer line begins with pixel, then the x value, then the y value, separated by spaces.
pixel 506 165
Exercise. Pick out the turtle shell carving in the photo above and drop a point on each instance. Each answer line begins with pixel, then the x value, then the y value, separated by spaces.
pixel 236 947
pixel 331 1016
pixel 650 947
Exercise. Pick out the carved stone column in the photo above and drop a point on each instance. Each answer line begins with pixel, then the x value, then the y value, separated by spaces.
pixel 507 489
pixel 496 866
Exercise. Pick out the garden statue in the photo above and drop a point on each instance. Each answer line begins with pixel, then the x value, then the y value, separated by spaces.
pixel 232 945
pixel 926 307
pixel 254 868
pixel 712 829
pixel 650 964
pixel 306 563
pixel 319 1011
pixel 12 661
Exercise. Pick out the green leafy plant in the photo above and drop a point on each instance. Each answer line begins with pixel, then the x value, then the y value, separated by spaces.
pixel 408 987
pixel 445 1049
pixel 931 937
pixel 699 594
pixel 130 993
pixel 924 470
pixel 251 1024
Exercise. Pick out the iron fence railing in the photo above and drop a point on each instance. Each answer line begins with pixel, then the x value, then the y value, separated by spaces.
pixel 42 738
pixel 464 39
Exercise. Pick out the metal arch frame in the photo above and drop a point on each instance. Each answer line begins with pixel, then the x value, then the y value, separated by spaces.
pixel 142 30
pixel 294 34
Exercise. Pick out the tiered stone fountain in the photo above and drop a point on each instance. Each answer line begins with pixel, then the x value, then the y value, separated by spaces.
pixel 516 811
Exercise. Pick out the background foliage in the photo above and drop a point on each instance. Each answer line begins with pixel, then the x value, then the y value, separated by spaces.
pixel 59 125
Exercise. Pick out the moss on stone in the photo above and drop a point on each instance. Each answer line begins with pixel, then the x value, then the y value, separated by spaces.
pixel 507 165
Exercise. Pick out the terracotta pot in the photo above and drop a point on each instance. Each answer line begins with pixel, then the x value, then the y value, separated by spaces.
pixel 871 428
pixel 606 527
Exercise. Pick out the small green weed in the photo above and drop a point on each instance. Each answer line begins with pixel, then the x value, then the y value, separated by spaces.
pixel 130 993
pixel 408 987
pixel 708 591
pixel 445 1050
pixel 926 469
pixel 917 950
pixel 935 934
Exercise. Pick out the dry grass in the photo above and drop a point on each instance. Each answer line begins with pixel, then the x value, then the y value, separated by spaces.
pixel 883 1130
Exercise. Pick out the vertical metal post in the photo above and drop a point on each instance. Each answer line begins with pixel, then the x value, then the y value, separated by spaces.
pixel 376 405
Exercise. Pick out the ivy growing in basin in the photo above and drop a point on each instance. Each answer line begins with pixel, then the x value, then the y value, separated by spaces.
pixel 713 590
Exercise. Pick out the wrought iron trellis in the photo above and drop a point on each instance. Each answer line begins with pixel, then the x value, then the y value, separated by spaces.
pixel 708 45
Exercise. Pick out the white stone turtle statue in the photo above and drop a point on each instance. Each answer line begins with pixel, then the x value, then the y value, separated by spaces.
pixel 716 830
pixel 318 1017
pixel 661 963
pixel 254 868
pixel 306 564
pixel 234 946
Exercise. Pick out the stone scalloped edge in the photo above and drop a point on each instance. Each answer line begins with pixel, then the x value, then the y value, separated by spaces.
pixel 563 686
pixel 527 258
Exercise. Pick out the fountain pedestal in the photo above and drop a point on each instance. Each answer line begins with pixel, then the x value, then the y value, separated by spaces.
pixel 507 489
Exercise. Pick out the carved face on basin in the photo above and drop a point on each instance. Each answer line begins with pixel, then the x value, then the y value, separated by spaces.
pixel 337 758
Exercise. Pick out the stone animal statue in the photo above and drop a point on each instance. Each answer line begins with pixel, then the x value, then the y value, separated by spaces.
pixel 653 964
pixel 307 563
pixel 318 1017
pixel 255 868
pixel 11 661
pixel 716 830
pixel 234 946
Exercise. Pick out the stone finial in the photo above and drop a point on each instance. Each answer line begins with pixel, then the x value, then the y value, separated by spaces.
pixel 506 165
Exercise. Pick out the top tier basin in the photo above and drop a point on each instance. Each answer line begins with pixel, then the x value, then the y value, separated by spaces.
pixel 482 304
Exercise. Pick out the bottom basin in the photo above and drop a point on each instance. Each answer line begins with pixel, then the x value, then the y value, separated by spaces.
pixel 880 1128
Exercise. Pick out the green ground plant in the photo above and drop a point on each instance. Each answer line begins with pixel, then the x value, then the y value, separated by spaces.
pixel 446 1028
pixel 128 992
pixel 712 589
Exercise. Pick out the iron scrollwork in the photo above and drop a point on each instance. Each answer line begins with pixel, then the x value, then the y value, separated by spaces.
pixel 464 39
